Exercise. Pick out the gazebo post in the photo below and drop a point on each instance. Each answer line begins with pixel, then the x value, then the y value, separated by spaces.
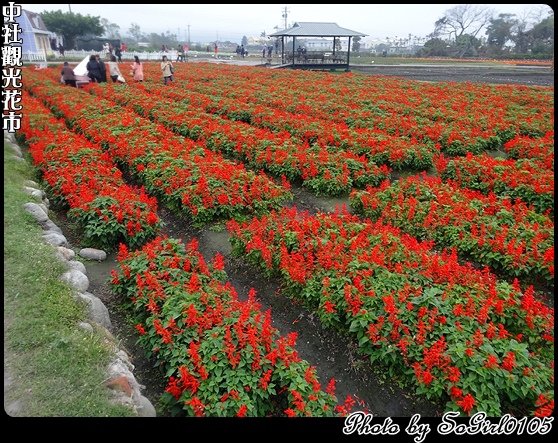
pixel 348 54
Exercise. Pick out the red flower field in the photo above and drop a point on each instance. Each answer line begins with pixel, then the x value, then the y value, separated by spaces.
pixel 438 271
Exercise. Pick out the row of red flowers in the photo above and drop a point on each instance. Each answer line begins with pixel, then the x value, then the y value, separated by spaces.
pixel 82 177
pixel 335 141
pixel 189 178
pixel 464 336
pixel 321 170
pixel 461 117
pixel 539 149
pixel 513 240
pixel 523 179
pixel 222 356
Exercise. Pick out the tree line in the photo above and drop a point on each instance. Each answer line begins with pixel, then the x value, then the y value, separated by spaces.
pixel 464 31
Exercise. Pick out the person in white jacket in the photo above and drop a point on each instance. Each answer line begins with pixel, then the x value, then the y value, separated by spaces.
pixel 114 71
pixel 168 69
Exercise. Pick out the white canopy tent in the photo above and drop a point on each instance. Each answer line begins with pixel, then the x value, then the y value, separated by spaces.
pixel 81 68
pixel 80 71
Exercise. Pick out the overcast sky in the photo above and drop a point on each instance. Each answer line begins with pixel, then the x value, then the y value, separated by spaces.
pixel 210 22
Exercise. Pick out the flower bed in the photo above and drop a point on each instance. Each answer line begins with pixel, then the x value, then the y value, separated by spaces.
pixel 81 175
pixel 466 337
pixel 189 178
pixel 513 240
pixel 222 357
pixel 457 333
pixel 324 171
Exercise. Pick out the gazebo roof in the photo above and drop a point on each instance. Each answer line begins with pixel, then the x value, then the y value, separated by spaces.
pixel 317 29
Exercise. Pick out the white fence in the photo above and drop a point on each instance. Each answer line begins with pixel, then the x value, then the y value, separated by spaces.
pixel 34 57
pixel 40 57
pixel 126 55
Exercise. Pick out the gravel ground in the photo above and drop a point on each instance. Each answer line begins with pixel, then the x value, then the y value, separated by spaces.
pixel 504 75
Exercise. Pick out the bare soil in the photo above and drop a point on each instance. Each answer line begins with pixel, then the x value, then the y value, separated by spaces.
pixel 497 75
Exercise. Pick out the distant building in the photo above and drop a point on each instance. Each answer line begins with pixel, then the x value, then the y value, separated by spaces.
pixel 404 47
pixel 317 44
pixel 258 41
pixel 34 34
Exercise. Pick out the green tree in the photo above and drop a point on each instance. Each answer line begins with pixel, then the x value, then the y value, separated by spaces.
pixel 500 32
pixel 537 38
pixel 244 41
pixel 435 47
pixel 467 46
pixel 157 40
pixel 71 26
pixel 542 36
pixel 135 32
pixel 356 44
pixel 112 30
pixel 337 44
pixel 463 20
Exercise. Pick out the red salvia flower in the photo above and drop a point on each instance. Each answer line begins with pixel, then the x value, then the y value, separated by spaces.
pixel 242 411
pixel 466 403
pixel 508 363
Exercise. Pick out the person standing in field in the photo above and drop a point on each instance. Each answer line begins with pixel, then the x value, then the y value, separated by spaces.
pixel 114 70
pixel 180 54
pixel 103 68
pixel 137 69
pixel 118 54
pixel 93 69
pixel 166 66
pixel 216 50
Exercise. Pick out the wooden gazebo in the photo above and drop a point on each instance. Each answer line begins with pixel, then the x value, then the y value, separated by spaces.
pixel 334 59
